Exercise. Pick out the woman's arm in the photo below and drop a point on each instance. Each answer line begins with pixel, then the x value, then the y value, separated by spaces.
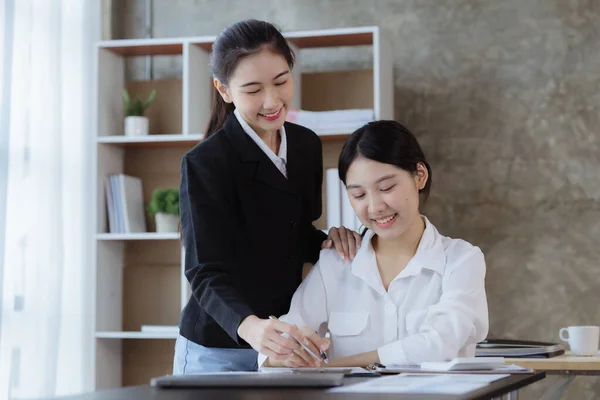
pixel 357 360
pixel 209 250
pixel 206 203
pixel 459 319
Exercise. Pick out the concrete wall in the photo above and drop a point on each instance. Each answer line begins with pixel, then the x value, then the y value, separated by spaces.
pixel 505 99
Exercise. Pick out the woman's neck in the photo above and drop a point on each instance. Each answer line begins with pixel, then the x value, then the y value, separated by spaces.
pixel 394 254
pixel 271 139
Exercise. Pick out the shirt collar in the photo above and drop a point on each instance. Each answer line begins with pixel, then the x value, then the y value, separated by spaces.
pixel 429 255
pixel 254 136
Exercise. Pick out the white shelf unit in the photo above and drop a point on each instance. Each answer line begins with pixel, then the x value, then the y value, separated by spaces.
pixel 139 277
pixel 138 236
pixel 135 335
pixel 151 140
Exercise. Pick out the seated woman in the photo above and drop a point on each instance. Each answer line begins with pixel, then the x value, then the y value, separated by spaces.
pixel 411 294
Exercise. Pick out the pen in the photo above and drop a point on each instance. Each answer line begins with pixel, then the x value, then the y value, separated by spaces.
pixel 309 351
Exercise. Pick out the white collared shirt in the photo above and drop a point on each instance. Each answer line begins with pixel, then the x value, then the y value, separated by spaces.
pixel 280 160
pixel 435 309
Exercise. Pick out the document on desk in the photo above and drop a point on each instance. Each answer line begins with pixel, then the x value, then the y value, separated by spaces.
pixel 422 384
pixel 283 370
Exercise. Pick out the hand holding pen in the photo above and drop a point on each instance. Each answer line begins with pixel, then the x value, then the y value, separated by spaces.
pixel 312 349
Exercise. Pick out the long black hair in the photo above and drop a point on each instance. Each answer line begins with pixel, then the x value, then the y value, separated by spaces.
pixel 387 142
pixel 237 41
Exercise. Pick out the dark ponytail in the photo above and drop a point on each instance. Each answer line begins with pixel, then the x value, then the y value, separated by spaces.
pixel 219 112
pixel 233 44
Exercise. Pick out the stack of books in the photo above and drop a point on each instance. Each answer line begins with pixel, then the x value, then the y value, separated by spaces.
pixel 125 203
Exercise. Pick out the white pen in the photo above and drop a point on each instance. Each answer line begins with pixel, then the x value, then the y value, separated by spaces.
pixel 309 351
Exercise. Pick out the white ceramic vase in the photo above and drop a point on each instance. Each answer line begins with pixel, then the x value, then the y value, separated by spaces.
pixel 166 222
pixel 136 126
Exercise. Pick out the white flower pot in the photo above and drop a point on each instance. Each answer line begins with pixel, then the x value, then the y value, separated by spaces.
pixel 166 222
pixel 136 126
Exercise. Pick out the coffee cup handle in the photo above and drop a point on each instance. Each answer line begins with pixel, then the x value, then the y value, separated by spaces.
pixel 562 336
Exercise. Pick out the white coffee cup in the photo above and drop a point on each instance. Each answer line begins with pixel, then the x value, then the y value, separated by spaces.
pixel 583 340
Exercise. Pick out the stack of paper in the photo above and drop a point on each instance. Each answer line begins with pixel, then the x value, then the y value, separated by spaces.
pixel 422 384
pixel 339 209
pixel 332 122
pixel 125 203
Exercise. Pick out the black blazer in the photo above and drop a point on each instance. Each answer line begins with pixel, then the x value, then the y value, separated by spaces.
pixel 247 230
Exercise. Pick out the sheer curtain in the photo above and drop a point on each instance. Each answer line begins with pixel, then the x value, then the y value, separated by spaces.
pixel 46 81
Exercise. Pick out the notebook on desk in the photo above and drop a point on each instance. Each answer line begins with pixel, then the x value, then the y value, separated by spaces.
pixel 518 349
pixel 248 379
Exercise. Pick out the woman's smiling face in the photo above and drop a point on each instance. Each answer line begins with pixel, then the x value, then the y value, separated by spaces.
pixel 261 88
pixel 385 197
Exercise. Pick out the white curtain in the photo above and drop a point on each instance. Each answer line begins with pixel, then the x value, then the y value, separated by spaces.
pixel 47 77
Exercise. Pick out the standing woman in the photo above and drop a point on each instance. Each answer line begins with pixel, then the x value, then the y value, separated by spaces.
pixel 249 195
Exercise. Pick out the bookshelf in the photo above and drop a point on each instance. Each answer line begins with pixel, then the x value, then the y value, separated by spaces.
pixel 139 276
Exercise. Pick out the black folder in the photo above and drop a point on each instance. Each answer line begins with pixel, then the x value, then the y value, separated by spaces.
pixel 510 348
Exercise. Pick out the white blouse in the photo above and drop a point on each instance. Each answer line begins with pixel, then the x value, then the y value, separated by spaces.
pixel 435 309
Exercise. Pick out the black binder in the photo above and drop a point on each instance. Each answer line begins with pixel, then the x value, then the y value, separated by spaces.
pixel 510 348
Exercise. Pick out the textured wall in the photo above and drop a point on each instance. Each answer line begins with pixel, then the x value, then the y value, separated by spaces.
pixel 504 97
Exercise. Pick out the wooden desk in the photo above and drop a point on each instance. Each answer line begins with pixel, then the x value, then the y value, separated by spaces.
pixel 567 365
pixel 496 389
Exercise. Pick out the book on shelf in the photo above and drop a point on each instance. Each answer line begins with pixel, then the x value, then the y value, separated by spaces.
pixel 334 198
pixel 339 209
pixel 125 204
pixel 332 122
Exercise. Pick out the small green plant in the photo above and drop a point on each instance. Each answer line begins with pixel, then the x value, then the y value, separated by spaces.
pixel 137 107
pixel 164 201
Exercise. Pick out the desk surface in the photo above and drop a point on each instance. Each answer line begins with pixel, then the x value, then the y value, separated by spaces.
pixel 567 364
pixel 495 389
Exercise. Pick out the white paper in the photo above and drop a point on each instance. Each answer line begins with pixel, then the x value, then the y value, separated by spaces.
pixel 284 370
pixel 348 216
pixel 422 383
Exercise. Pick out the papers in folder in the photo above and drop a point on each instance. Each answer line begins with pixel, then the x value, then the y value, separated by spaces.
pixel 472 365
pixel 332 122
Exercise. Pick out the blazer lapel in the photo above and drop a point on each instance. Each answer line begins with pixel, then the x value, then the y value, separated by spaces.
pixel 295 161
pixel 263 169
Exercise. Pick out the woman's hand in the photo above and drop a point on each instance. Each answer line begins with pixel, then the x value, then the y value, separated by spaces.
pixel 345 241
pixel 300 358
pixel 264 335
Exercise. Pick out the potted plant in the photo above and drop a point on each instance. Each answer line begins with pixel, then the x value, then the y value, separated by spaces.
pixel 164 206
pixel 135 122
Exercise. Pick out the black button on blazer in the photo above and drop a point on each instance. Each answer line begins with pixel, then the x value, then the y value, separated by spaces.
pixel 247 230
